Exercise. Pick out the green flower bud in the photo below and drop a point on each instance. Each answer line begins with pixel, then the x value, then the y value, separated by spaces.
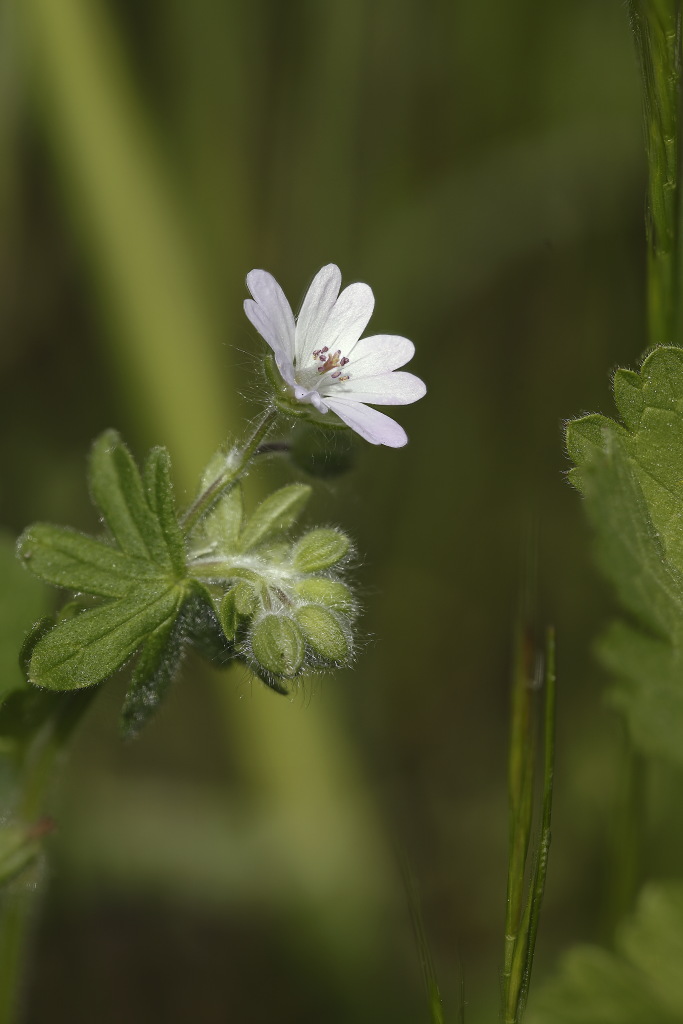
pixel 324 633
pixel 245 597
pixel 278 646
pixel 319 549
pixel 318 590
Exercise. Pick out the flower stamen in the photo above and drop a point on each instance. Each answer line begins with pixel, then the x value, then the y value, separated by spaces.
pixel 333 361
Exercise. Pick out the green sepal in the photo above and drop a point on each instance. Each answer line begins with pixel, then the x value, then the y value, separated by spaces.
pixel 331 593
pixel 288 404
pixel 203 629
pixel 159 490
pixel 267 678
pixel 236 606
pixel 277 646
pixel 117 489
pixel 324 633
pixel 88 648
pixel 66 558
pixel 152 676
pixel 245 597
pixel 319 549
pixel 276 514
pixel 228 616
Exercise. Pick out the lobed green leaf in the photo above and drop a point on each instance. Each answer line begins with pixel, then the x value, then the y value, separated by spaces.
pixel 160 496
pixel 640 982
pixel 23 600
pixel 67 558
pixel 152 676
pixel 631 475
pixel 84 650
pixel 222 526
pixel 117 488
pixel 276 514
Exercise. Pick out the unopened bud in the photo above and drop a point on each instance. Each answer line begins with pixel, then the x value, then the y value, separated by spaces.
pixel 245 598
pixel 319 549
pixel 323 632
pixel 330 593
pixel 278 646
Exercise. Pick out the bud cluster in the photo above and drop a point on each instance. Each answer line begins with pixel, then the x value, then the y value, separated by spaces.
pixel 281 604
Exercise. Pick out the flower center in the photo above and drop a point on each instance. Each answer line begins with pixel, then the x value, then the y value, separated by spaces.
pixel 333 361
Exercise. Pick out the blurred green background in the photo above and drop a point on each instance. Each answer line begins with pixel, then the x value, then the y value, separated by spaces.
pixel 480 166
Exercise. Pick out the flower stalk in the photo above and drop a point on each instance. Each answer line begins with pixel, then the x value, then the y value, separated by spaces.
pixel 229 476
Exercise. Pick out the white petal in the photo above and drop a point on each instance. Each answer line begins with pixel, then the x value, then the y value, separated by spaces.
pixel 265 329
pixel 271 314
pixel 371 424
pixel 316 307
pixel 349 318
pixel 378 353
pixel 385 389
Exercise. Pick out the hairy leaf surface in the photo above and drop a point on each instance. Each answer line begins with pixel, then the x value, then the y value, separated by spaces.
pixel 88 648
pixel 118 490
pixel 66 558
pixel 631 476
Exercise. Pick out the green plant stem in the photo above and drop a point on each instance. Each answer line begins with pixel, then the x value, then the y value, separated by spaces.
pixel 230 475
pixel 538 884
pixel 656 29
pixel 524 903
pixel 17 903
pixel 520 787
pixel 431 983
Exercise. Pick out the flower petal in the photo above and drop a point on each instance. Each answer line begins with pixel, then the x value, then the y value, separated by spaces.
pixel 348 318
pixel 378 353
pixel 271 313
pixel 316 307
pixel 371 424
pixel 397 388
pixel 265 329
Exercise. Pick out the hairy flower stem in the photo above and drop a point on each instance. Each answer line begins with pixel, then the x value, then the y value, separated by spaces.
pixel 230 475
pixel 656 27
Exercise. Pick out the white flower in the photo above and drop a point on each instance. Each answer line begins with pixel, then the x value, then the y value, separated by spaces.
pixel 323 359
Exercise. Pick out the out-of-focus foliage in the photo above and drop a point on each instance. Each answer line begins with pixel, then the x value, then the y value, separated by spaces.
pixel 632 478
pixel 640 981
